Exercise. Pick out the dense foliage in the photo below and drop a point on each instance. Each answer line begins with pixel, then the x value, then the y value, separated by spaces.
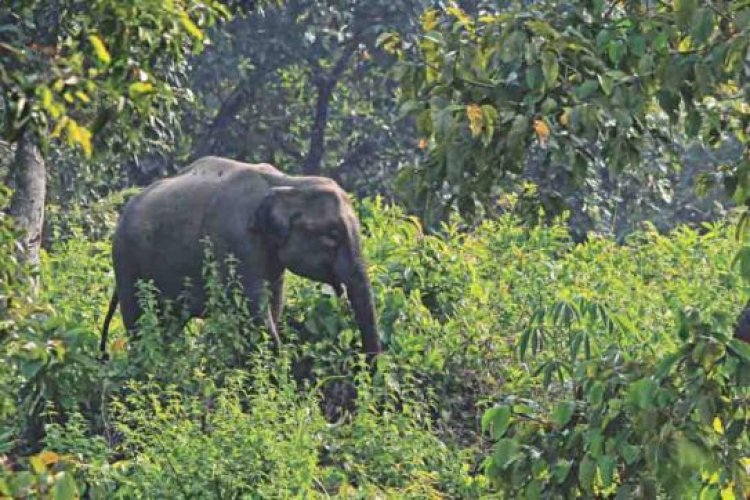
pixel 573 87
pixel 70 68
pixel 589 358
pixel 531 352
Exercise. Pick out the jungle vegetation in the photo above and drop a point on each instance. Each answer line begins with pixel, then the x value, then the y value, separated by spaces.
pixel 553 198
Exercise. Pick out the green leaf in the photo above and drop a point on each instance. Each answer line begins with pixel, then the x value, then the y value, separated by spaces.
pixel 561 470
pixel 742 257
pixel 630 453
pixel 505 451
pixel 690 454
pixel 563 413
pixel 641 393
pixel 489 116
pixel 100 49
pixel 586 473
pixel 534 78
pixel 606 466
pixel 585 89
pixel 518 131
pixel 443 123
pixel 637 45
pixel 497 420
pixel 550 68
pixel 670 103
pixel 65 487
pixel 615 52
pixel 741 349
pixel 606 83
pixel 596 394
pixel 703 25
pixel 685 10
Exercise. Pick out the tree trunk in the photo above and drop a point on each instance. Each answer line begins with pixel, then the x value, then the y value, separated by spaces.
pixel 27 205
pixel 325 86
pixel 225 117
pixel 318 133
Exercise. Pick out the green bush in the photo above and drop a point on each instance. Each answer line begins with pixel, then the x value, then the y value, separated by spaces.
pixel 498 322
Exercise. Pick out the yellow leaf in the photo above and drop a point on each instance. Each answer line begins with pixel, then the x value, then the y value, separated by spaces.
pixel 81 136
pixel 82 96
pixel 100 49
pixel 718 427
pixel 459 14
pixel 727 493
pixel 422 143
pixel 685 44
pixel 429 20
pixel 59 126
pixel 542 131
pixel 139 88
pixel 118 345
pixel 476 121
pixel 48 457
pixel 190 26
pixel 46 96
pixel 564 118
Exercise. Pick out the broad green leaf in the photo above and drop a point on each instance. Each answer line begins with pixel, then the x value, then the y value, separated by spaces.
pixel 606 83
pixel 641 393
pixel 505 451
pixel 497 420
pixel 550 67
pixel 615 51
pixel 519 131
pixel 685 10
pixel 65 487
pixel 596 394
pixel 561 470
pixel 630 453
pixel 586 473
pixel 606 465
pixel 585 89
pixel 563 413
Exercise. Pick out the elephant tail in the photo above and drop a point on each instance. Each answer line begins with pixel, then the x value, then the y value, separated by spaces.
pixel 105 328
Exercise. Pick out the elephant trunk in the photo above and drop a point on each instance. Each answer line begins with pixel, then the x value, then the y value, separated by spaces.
pixel 350 271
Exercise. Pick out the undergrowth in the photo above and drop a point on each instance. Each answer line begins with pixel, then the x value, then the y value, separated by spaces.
pixel 507 349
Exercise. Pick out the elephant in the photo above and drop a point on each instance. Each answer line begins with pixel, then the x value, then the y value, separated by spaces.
pixel 268 221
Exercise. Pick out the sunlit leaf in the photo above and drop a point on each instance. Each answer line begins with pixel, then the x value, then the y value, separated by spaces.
pixel 191 27
pixel 474 115
pixel 100 49
pixel 542 131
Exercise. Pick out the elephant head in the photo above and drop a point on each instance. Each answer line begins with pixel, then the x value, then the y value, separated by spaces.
pixel 314 233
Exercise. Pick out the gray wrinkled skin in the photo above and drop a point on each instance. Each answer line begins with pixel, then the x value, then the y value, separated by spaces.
pixel 268 221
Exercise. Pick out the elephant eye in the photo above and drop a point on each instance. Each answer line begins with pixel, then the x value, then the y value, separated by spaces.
pixel 330 239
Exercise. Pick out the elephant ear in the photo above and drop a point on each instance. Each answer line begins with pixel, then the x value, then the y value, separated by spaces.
pixel 274 214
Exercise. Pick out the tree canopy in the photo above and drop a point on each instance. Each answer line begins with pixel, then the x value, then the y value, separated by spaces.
pixel 577 82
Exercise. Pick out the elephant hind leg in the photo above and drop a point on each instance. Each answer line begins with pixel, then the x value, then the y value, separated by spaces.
pixel 129 309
